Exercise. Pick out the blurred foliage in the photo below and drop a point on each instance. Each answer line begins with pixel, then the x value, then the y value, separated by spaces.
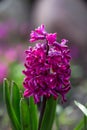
pixel 16 75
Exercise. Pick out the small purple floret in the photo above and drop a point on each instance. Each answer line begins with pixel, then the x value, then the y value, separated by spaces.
pixel 51 37
pixel 47 67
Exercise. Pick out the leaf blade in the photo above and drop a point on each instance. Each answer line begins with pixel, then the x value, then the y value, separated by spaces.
pixel 15 99
pixel 33 113
pixel 24 115
pixel 80 125
pixel 81 107
pixel 49 112
pixel 11 113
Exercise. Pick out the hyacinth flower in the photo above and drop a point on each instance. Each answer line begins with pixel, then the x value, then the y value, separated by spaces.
pixel 47 76
pixel 47 67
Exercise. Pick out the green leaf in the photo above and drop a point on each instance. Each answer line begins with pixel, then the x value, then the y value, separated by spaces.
pixel 49 114
pixel 85 122
pixel 80 125
pixel 33 114
pixel 81 107
pixel 25 115
pixel 15 99
pixel 10 110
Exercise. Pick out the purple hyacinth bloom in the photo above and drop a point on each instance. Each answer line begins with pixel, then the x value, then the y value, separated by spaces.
pixel 38 34
pixel 47 67
pixel 51 37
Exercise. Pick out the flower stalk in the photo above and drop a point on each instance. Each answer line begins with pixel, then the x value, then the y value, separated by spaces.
pixel 42 111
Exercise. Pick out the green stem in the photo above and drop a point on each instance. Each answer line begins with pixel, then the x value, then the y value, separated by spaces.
pixel 42 112
pixel 85 122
